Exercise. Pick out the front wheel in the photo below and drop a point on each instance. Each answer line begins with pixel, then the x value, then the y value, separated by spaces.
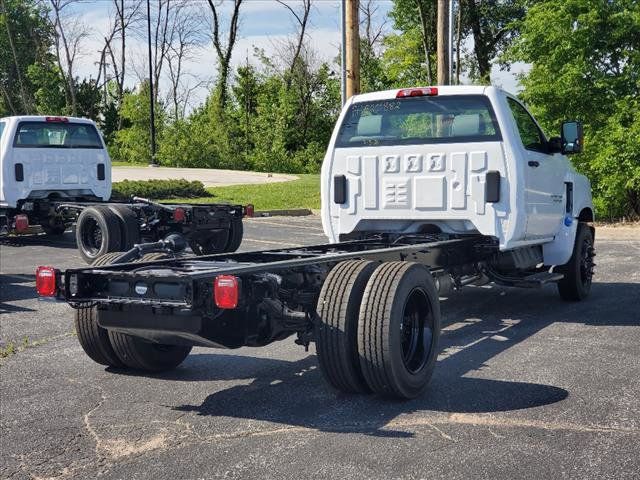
pixel 142 355
pixel 578 272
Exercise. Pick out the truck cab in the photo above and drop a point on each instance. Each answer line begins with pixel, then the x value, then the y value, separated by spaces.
pixel 46 156
pixel 454 159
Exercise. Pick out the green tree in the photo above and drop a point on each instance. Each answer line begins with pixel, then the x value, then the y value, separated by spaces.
pixel 586 65
pixel 26 38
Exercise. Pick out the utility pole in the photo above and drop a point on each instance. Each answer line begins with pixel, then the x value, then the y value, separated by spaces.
pixel 442 47
pixel 352 47
pixel 450 40
pixel 343 52
pixel 152 120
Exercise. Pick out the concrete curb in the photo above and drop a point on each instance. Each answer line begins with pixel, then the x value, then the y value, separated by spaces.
pixel 293 212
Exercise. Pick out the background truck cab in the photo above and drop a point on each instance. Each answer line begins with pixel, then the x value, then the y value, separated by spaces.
pixel 44 155
pixel 456 159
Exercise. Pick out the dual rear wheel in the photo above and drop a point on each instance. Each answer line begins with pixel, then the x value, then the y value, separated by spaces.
pixel 379 327
pixel 119 350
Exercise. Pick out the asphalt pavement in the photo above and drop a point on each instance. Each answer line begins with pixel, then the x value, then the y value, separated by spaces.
pixel 526 387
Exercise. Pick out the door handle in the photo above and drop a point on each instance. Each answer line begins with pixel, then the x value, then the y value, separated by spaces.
pixel 534 163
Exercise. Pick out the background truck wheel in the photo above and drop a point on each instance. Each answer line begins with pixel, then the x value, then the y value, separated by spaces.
pixel 94 339
pixel 97 232
pixel 578 272
pixel 139 354
pixel 399 329
pixel 129 226
pixel 236 231
pixel 210 243
pixel 337 333
pixel 150 257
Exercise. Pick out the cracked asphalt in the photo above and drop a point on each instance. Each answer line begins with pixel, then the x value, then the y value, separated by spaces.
pixel 526 387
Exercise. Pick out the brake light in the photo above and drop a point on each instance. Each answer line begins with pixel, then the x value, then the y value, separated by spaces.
pixel 22 222
pixel 249 210
pixel 417 92
pixel 56 119
pixel 46 281
pixel 179 215
pixel 225 291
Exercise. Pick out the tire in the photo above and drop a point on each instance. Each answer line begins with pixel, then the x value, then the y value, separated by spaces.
pixel 94 339
pixel 139 354
pixel 236 232
pixel 578 272
pixel 129 226
pixel 337 332
pixel 151 257
pixel 97 232
pixel 399 329
pixel 210 243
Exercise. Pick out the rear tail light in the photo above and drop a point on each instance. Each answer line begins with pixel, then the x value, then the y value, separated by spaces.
pixel 417 92
pixel 46 281
pixel 179 215
pixel 249 210
pixel 225 291
pixel 22 223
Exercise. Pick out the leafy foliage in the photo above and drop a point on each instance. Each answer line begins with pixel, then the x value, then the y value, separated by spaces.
pixel 158 189
pixel 586 64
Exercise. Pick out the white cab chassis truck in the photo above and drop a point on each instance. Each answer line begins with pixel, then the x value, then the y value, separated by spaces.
pixel 423 190
pixel 56 172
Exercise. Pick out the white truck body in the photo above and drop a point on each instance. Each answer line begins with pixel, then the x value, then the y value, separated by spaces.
pixel 40 155
pixel 401 186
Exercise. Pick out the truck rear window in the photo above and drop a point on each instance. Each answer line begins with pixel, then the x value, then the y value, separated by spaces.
pixel 56 135
pixel 419 120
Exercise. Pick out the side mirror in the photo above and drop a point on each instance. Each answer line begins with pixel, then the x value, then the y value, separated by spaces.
pixel 572 137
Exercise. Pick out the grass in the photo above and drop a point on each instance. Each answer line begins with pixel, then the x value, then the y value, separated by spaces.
pixel 301 193
pixel 127 164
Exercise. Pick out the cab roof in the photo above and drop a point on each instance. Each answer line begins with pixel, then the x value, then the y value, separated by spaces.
pixel 442 90
pixel 43 118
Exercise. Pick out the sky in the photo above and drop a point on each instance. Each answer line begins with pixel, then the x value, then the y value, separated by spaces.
pixel 264 24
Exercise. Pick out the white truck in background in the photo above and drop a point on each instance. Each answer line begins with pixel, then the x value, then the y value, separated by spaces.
pixel 56 172
pixel 423 190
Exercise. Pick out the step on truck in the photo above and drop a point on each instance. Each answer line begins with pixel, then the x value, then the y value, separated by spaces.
pixel 56 172
pixel 423 190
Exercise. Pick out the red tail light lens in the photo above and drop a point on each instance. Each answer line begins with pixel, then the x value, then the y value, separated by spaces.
pixel 57 119
pixel 46 281
pixel 249 210
pixel 179 215
pixel 417 92
pixel 225 291
pixel 22 222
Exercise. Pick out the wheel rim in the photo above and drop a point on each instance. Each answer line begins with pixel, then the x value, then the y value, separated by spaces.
pixel 212 244
pixel 416 331
pixel 586 262
pixel 91 237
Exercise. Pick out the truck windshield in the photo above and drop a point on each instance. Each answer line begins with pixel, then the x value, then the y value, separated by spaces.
pixel 56 135
pixel 1 129
pixel 419 120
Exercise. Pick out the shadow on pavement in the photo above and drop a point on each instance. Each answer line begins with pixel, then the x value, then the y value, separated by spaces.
pixel 66 240
pixel 496 319
pixel 14 288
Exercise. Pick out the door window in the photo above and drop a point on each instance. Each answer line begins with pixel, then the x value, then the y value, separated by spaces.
pixel 1 129
pixel 531 136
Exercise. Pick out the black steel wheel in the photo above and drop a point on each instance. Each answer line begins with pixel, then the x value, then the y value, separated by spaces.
pixel 97 232
pixel 337 328
pixel 578 272
pixel 399 329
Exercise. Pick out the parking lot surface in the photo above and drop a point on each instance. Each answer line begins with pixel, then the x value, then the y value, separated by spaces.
pixel 527 386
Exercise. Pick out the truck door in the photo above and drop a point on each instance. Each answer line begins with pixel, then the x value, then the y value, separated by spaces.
pixel 544 179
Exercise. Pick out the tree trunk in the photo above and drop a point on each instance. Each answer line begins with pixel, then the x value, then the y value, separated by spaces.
pixel 425 40
pixel 443 42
